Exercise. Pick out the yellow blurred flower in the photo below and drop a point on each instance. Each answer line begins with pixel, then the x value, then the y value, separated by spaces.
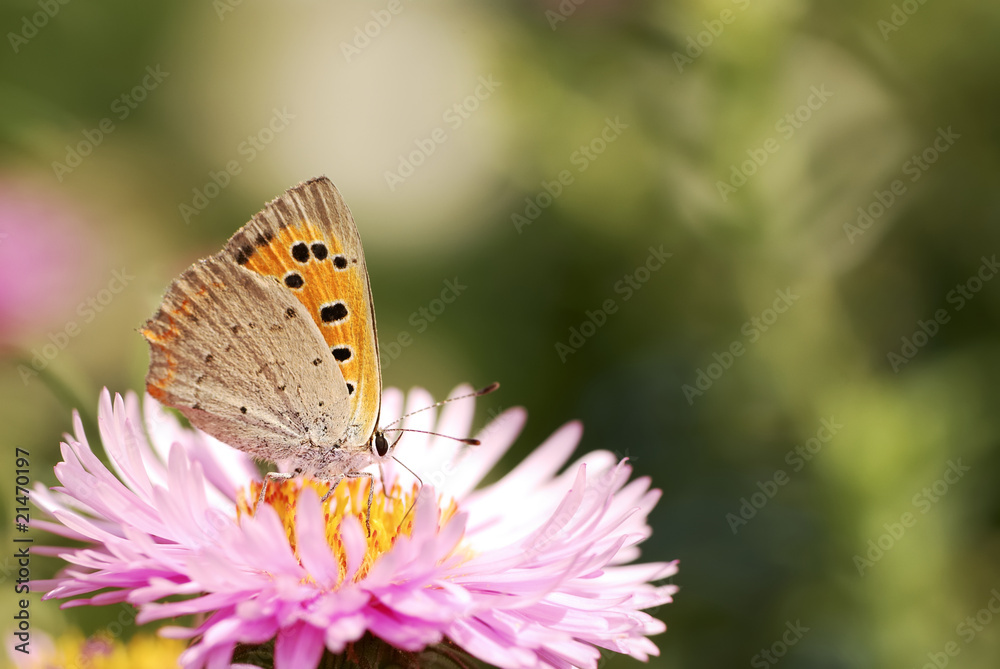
pixel 74 651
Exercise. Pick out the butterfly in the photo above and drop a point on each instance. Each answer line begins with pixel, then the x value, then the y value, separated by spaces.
pixel 270 345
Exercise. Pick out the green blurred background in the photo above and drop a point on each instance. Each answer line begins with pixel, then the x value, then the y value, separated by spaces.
pixel 836 106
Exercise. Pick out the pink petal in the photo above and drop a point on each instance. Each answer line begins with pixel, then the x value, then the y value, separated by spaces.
pixel 314 551
pixel 298 647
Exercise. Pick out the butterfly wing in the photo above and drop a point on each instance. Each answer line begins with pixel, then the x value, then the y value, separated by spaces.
pixel 307 240
pixel 238 356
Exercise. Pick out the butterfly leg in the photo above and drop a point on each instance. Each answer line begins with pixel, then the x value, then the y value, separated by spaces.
pixel 381 479
pixel 272 476
pixel 333 486
pixel 371 493
pixel 420 481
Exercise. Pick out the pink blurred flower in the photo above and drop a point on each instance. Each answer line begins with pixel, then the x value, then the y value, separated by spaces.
pixel 46 261
pixel 525 572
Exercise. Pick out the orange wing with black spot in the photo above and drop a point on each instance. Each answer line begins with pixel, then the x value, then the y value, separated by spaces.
pixel 307 240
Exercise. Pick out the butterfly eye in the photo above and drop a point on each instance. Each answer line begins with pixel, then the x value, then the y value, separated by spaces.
pixel 381 445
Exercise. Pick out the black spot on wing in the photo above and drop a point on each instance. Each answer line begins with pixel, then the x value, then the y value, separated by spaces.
pixel 333 312
pixel 244 253
pixel 300 252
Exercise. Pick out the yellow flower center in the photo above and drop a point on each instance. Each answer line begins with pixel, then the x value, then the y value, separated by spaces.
pixel 391 514
pixel 143 651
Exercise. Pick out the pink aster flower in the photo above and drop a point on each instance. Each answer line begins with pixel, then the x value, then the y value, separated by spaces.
pixel 529 571
pixel 47 261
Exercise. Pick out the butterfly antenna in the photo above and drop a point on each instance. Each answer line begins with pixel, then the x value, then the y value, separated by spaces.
pixel 483 391
pixel 467 442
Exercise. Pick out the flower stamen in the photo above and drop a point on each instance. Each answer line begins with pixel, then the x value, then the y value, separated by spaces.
pixel 390 517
